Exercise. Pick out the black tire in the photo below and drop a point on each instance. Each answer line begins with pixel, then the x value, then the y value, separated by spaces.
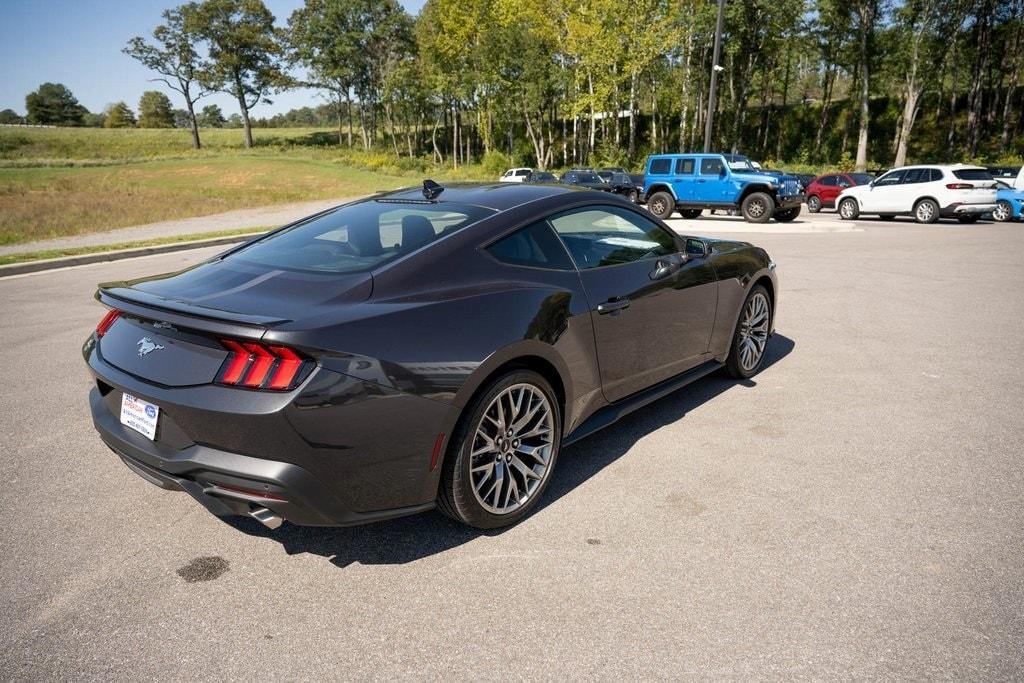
pixel 661 204
pixel 456 497
pixel 788 215
pixel 733 363
pixel 1003 212
pixel 690 213
pixel 886 217
pixel 969 218
pixel 813 204
pixel 848 209
pixel 758 207
pixel 634 196
pixel 926 211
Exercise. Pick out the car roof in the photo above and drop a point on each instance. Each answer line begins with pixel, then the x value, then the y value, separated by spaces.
pixel 497 196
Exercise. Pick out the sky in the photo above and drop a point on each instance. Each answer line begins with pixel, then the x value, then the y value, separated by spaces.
pixel 78 43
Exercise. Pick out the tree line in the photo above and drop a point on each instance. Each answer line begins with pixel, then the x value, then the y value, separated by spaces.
pixel 563 82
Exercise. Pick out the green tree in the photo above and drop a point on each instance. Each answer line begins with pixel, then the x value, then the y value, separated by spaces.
pixel 119 115
pixel 212 117
pixel 54 105
pixel 245 52
pixel 9 117
pixel 174 56
pixel 155 110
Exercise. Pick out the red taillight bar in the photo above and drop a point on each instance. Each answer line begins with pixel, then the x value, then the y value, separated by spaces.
pixel 258 366
pixel 107 320
pixel 959 186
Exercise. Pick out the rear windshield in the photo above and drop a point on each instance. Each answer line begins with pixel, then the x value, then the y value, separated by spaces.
pixel 862 178
pixel 973 174
pixel 360 236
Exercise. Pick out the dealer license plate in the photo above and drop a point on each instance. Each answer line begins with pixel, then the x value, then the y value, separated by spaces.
pixel 139 415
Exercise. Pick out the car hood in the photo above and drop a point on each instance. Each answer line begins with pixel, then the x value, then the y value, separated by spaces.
pixel 762 176
pixel 243 292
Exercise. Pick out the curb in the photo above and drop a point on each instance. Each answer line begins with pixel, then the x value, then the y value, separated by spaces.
pixel 117 255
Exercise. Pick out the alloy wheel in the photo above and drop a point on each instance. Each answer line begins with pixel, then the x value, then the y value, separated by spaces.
pixel 754 331
pixel 756 208
pixel 924 212
pixel 658 207
pixel 846 210
pixel 511 449
pixel 1002 212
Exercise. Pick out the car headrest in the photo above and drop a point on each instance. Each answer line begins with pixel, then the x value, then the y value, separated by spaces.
pixel 365 239
pixel 416 231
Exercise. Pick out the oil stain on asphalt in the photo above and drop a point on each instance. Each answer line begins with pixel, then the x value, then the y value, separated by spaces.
pixel 203 569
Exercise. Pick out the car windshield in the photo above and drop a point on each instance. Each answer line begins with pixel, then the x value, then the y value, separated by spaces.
pixel 862 178
pixel 738 163
pixel 359 236
pixel 587 177
pixel 973 174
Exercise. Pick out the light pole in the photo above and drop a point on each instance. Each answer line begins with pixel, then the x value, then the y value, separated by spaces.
pixel 715 68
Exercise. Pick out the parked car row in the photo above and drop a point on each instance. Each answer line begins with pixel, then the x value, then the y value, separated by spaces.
pixel 615 180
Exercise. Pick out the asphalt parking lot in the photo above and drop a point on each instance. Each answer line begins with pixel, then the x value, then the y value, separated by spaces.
pixel 855 511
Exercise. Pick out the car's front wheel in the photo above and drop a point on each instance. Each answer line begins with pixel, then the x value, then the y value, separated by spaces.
pixel 1003 211
pixel 758 207
pixel 749 341
pixel 503 453
pixel 661 204
pixel 926 211
pixel 813 204
pixel 788 215
pixel 634 196
pixel 848 209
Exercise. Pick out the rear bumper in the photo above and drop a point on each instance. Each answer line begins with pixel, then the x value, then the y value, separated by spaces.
pixel 967 209
pixel 337 452
pixel 229 484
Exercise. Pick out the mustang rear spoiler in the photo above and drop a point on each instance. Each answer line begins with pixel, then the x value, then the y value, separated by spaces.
pixel 187 315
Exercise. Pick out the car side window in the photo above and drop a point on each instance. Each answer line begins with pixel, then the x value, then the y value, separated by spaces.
pixel 891 178
pixel 608 236
pixel 711 166
pixel 522 173
pixel 660 166
pixel 916 175
pixel 934 175
pixel 535 246
pixel 829 181
pixel 684 166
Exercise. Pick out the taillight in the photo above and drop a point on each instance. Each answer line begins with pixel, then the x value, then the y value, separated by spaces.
pixel 959 186
pixel 107 321
pixel 259 366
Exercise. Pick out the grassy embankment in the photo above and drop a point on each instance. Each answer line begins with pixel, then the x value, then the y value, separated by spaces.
pixel 67 181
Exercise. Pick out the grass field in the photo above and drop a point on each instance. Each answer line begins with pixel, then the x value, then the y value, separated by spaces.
pixel 67 181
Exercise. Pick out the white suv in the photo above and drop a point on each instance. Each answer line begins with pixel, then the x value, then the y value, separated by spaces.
pixel 924 192
pixel 515 175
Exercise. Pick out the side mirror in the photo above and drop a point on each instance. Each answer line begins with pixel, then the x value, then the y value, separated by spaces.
pixel 695 248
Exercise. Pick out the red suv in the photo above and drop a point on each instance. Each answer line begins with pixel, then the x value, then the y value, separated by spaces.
pixel 823 190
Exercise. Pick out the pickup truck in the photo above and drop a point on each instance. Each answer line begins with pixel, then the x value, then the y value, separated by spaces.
pixel 690 183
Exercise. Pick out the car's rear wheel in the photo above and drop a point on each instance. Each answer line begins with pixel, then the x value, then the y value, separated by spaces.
pixel 1003 211
pixel 848 209
pixel 926 211
pixel 813 204
pixel 758 207
pixel 787 215
pixel 504 452
pixel 689 213
pixel 746 356
pixel 661 204
pixel 969 218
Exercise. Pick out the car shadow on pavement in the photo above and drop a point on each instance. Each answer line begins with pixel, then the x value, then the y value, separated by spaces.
pixel 411 538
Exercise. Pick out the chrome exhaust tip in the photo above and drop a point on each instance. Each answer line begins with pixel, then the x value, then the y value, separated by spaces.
pixel 266 517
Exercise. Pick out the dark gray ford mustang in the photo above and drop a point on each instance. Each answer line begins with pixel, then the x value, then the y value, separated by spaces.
pixel 416 349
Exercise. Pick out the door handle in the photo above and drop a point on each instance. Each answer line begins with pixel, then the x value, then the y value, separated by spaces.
pixel 613 305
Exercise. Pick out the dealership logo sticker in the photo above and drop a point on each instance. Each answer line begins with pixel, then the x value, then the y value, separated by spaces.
pixel 147 345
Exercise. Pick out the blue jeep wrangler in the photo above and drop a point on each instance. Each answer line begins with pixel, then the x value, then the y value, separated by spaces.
pixel 690 183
